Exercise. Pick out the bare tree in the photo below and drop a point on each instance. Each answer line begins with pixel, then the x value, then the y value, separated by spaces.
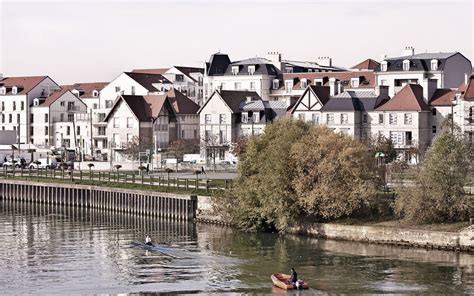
pixel 137 145
pixel 177 149
pixel 212 146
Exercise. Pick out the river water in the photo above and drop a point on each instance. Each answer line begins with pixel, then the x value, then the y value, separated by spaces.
pixel 47 250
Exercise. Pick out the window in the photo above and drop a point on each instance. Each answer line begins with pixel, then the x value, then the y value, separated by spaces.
pixel 46 130
pixel 434 65
pixel 94 106
pixel 380 118
pixel 256 117
pixel 182 134
pixel 129 122
pixel 22 105
pixel 116 122
pixel 365 118
pixel 252 85
pixel 407 119
pixel 207 118
pixel 433 129
pixel 3 106
pixel 95 94
pixel 276 84
pixel 315 118
pixel 289 69
pixel 46 118
pixel 344 118
pixel 18 118
pixel 364 134
pixel 237 85
pixel 61 103
pixel 14 90
pixel 222 118
pixel 116 139
pixel 221 137
pixel 101 131
pixel 117 89
pixel 383 66
pixel 3 118
pixel 78 131
pixel 304 83
pixel 129 138
pixel 251 70
pixel 3 90
pixel 221 154
pixel 245 117
pixel 318 81
pixel 10 118
pixel 179 78
pixel 70 117
pixel 207 135
pixel 393 118
pixel 406 65
pixel 288 85
pixel 301 116
pixel 433 111
pixel 109 103
pixel 330 118
pixel 133 90
pixel 68 130
pixel 471 114
pixel 195 134
pixel 14 106
pixel 355 82
pixel 235 70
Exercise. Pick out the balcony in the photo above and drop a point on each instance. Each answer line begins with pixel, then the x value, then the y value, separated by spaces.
pixel 73 109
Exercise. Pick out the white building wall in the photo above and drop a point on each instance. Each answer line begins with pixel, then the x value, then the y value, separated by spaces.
pixel 120 133
pixel 109 94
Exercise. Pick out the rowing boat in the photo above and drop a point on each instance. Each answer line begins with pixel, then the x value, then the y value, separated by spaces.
pixel 282 280
pixel 158 248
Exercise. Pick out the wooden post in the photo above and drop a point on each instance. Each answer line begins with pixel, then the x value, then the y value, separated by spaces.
pixel 207 185
pixel 80 175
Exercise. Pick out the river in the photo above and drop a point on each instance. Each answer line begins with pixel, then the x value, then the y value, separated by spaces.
pixel 47 250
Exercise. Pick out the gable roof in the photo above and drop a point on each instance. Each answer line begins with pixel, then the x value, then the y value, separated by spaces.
pixel 54 96
pixel 409 98
pixel 145 108
pixel 368 64
pixel 86 89
pixel 354 101
pixel 232 98
pixel 442 97
pixel 147 80
pixel 321 92
pixel 151 71
pixel 24 84
pixel 181 104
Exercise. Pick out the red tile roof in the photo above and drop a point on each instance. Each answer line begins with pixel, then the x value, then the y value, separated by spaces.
pixel 443 97
pixel 181 103
pixel 24 84
pixel 409 98
pixel 53 97
pixel 87 88
pixel 151 71
pixel 368 64
pixel 469 92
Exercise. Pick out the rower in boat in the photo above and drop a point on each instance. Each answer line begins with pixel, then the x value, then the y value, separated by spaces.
pixel 148 240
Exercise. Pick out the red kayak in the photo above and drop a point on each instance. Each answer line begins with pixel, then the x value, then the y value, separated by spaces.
pixel 282 280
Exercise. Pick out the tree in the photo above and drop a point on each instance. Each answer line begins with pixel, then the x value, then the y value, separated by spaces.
pixel 384 145
pixel 438 194
pixel 213 147
pixel 177 149
pixel 137 145
pixel 239 146
pixel 333 175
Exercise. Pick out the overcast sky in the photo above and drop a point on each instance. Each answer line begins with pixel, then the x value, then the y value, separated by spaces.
pixel 87 41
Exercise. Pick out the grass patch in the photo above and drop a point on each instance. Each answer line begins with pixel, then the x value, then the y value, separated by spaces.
pixel 399 223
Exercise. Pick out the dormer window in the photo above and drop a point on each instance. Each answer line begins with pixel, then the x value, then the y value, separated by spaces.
pixel 251 70
pixel 318 81
pixel 95 94
pixel 276 84
pixel 304 83
pixel 3 90
pixel 235 70
pixel 35 102
pixel 383 66
pixel 14 90
pixel 289 69
pixel 434 65
pixel 245 117
pixel 288 85
pixel 117 89
pixel 406 65
pixel 355 82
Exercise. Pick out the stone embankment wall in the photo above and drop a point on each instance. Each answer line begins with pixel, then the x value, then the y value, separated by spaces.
pixel 463 240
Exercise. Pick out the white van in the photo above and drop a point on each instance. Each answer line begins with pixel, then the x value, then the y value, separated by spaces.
pixel 49 163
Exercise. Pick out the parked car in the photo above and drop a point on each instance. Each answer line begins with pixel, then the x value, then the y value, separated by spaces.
pixel 49 163
pixel 17 162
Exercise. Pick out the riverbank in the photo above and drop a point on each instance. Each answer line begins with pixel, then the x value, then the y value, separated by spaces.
pixel 455 237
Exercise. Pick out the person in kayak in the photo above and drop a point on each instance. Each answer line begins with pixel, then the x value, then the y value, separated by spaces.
pixel 148 240
pixel 294 276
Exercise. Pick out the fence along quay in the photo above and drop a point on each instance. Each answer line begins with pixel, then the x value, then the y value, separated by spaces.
pixel 158 204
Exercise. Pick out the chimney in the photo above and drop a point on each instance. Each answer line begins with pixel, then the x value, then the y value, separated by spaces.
pixel 466 77
pixel 325 61
pixel 408 51
pixel 275 58
pixel 381 91
pixel 429 88
pixel 333 87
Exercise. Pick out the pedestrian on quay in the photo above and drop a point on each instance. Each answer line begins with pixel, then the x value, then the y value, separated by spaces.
pixel 203 172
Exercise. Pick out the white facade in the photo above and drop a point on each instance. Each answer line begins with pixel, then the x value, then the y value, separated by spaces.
pixel 261 84
pixel 192 86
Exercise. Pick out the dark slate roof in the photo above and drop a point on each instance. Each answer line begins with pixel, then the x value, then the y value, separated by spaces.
pixel 181 104
pixel 409 98
pixel 144 107
pixel 233 98
pixel 217 64
pixel 189 70
pixel 354 101
pixel 418 62
pixel 262 67
pixel 147 80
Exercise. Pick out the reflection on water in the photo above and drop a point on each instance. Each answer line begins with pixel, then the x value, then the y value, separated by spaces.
pixel 55 250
